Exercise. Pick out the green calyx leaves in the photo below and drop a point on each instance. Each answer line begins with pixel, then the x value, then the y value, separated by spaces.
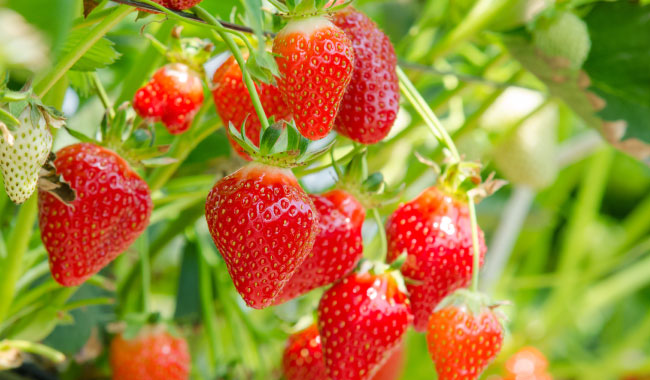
pixel 136 145
pixel 474 303
pixel 462 178
pixel 281 145
pixel 193 52
pixel 307 8
pixel 369 189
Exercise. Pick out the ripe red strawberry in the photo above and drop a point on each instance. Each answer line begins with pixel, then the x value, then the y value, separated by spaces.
pixel 154 354
pixel 434 230
pixel 178 5
pixel 462 344
pixel 173 95
pixel 527 364
pixel 264 225
pixel 111 210
pixel 338 246
pixel 361 319
pixel 315 59
pixel 303 358
pixel 234 104
pixel 371 101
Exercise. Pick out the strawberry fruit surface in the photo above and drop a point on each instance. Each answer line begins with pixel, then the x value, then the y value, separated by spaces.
pixel 337 248
pixel 461 343
pixel 371 101
pixel 153 354
pixel 264 226
pixel 434 230
pixel 173 96
pixel 111 209
pixel 361 319
pixel 315 59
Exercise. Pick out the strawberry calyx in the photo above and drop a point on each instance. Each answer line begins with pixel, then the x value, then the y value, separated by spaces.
pixel 369 189
pixel 293 9
pixel 193 52
pixel 281 144
pixel 474 303
pixel 462 178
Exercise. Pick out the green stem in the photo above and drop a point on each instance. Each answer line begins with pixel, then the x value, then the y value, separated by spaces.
pixel 16 248
pixel 422 108
pixel 101 92
pixel 34 348
pixel 207 297
pixel 479 17
pixel 223 33
pixel 33 295
pixel 84 45
pixel 476 262
pixel 145 273
pixel 381 232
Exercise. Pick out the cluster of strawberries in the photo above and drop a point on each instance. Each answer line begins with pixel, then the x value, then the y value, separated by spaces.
pixel 279 242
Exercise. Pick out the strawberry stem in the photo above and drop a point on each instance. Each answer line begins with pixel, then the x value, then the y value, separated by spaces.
pixel 475 245
pixel 145 272
pixel 34 348
pixel 425 112
pixel 101 92
pixel 381 232
pixel 223 33
pixel 18 242
pixel 207 308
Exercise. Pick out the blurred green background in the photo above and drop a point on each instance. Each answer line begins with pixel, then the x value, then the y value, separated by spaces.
pixel 569 237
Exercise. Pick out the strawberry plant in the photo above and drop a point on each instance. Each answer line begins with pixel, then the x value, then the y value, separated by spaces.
pixel 314 189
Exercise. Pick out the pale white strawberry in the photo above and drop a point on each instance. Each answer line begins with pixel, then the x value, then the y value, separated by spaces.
pixel 22 158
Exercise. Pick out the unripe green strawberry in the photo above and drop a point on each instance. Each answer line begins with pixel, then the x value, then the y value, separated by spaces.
pixel 22 158
pixel 564 36
pixel 527 156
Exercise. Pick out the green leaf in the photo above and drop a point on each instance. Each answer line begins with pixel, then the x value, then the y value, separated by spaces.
pixel 100 55
pixel 269 138
pixel 80 136
pixel 618 68
pixel 594 101
pixel 81 82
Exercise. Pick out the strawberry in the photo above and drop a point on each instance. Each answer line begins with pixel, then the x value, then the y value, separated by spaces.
pixel 462 343
pixel 178 5
pixel 173 95
pixel 303 358
pixel 565 37
pixel 527 364
pixel 393 367
pixel 22 153
pixel 361 319
pixel 338 246
pixel 111 209
pixel 371 101
pixel 264 225
pixel 315 59
pixel 153 354
pixel 234 104
pixel 434 231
